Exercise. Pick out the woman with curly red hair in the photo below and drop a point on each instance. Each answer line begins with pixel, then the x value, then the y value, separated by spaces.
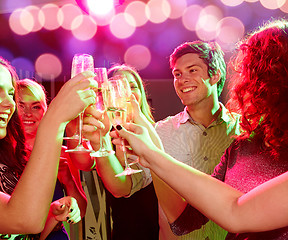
pixel 250 205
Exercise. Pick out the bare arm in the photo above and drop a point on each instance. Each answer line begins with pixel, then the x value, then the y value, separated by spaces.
pixel 107 167
pixel 231 209
pixel 32 196
pixel 71 181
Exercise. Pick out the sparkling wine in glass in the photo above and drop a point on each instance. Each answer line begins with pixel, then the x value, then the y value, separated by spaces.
pixel 101 78
pixel 116 96
pixel 80 63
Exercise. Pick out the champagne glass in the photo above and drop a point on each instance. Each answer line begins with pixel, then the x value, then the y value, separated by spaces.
pixel 116 96
pixel 101 78
pixel 80 63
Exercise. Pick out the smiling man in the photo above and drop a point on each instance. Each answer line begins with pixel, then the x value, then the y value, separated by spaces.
pixel 199 135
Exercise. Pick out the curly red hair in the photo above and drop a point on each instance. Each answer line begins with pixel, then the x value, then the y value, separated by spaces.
pixel 260 91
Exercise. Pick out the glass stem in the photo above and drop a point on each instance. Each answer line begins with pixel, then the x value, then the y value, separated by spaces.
pixel 125 155
pixel 100 141
pixel 80 128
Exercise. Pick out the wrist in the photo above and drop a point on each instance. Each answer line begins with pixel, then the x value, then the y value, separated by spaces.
pixel 51 121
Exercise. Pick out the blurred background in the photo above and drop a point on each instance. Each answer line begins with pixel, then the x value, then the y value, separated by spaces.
pixel 40 37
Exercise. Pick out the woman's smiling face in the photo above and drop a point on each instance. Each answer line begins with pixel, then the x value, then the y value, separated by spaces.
pixel 7 103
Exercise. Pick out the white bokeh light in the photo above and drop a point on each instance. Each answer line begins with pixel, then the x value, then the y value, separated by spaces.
pixel 122 25
pixel 177 8
pixel 158 11
pixel 21 21
pixel 191 16
pixel 100 7
pixel 232 3
pixel 272 4
pixel 137 10
pixel 230 30
pixel 84 27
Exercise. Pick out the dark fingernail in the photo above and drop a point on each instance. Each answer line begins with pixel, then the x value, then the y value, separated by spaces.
pixel 71 210
pixel 69 221
pixel 118 127
pixel 67 218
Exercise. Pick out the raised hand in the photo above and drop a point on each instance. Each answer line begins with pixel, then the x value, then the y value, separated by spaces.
pixel 140 119
pixel 94 121
pixel 78 91
pixel 138 138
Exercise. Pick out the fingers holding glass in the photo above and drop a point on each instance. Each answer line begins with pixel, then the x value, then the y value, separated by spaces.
pixel 117 97
pixel 80 63
pixel 101 78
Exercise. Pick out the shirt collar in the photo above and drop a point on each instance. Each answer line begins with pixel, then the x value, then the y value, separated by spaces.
pixel 223 116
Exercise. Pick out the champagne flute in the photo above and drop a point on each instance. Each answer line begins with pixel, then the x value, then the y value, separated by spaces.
pixel 80 63
pixel 101 78
pixel 116 96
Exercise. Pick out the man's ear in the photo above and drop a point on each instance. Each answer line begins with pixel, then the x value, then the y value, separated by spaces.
pixel 216 77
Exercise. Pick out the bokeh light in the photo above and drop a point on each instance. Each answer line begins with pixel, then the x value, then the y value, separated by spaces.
pixel 207 23
pixel 138 56
pixel 122 25
pixel 244 12
pixel 84 27
pixel 284 8
pixel 158 11
pixel 209 17
pixel 50 11
pixel 48 66
pixel 100 7
pixel 232 3
pixel 69 12
pixel 35 13
pixel 21 21
pixel 230 30
pixel 137 10
pixel 177 8
pixel 191 16
pixel 272 4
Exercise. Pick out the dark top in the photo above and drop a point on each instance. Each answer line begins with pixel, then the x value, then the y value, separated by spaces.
pixel 135 217
pixel 244 166
pixel 8 181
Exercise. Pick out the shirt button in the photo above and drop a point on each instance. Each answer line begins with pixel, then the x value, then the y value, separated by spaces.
pixel 205 158
pixel 205 133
